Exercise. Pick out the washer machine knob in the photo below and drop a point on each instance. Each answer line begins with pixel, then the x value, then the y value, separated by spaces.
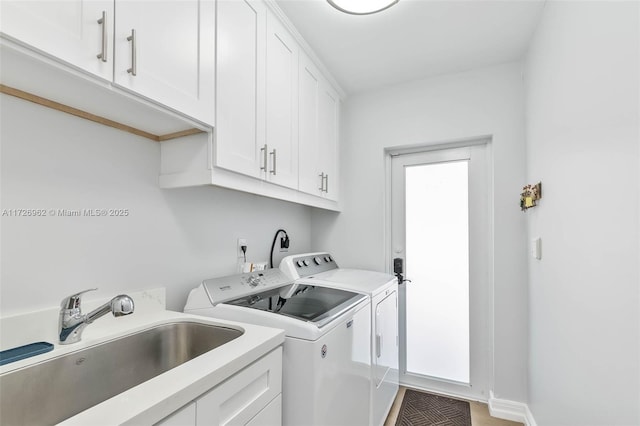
pixel 299 263
pixel 306 262
pixel 317 260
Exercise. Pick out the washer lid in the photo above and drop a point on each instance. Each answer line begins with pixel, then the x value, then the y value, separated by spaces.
pixel 314 304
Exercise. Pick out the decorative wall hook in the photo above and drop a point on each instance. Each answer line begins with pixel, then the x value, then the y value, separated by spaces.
pixel 530 194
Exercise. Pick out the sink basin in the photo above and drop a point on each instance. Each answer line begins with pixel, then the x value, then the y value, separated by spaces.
pixel 54 390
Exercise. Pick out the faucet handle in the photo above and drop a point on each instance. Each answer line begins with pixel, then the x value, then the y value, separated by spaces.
pixel 73 301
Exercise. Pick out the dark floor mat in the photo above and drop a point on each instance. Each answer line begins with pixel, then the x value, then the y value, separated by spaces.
pixel 425 409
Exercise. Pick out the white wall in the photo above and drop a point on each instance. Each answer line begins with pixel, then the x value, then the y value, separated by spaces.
pixel 582 95
pixel 172 238
pixel 483 102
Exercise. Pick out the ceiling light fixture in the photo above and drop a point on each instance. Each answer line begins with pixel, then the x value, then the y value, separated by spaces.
pixel 362 7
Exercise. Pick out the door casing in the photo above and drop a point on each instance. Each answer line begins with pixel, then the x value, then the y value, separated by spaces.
pixel 476 391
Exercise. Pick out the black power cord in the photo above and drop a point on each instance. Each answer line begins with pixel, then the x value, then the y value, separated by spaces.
pixel 273 245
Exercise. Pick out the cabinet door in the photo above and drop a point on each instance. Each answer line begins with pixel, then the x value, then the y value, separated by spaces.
pixel 310 180
pixel 328 116
pixel 165 51
pixel 240 123
pixel 240 398
pixel 68 30
pixel 282 104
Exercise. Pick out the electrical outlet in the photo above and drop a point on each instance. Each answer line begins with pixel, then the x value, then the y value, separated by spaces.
pixel 284 244
pixel 241 242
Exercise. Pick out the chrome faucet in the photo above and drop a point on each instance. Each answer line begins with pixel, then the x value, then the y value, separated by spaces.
pixel 72 322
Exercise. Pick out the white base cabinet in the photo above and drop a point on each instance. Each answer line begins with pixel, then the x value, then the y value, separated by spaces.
pixel 249 397
pixel 271 415
pixel 183 417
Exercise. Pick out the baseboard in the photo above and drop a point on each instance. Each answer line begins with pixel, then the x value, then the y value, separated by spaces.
pixel 510 410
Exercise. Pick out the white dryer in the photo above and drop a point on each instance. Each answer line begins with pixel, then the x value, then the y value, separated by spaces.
pixel 326 360
pixel 382 289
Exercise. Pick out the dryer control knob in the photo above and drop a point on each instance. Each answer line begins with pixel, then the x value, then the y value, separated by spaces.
pixel 306 262
pixel 299 263
pixel 317 260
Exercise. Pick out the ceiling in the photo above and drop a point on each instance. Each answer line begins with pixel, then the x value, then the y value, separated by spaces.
pixel 415 38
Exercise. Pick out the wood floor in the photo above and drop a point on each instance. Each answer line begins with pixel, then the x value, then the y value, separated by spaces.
pixel 479 413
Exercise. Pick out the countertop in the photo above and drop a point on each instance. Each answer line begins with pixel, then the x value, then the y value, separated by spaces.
pixel 154 399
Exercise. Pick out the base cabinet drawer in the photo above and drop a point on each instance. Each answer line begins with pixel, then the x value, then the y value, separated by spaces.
pixel 271 415
pixel 184 416
pixel 253 396
pixel 242 397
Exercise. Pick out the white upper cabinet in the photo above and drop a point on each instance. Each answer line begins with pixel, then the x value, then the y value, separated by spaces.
pixel 328 116
pixel 165 51
pixel 282 104
pixel 240 74
pixel 319 112
pixel 79 32
pixel 310 177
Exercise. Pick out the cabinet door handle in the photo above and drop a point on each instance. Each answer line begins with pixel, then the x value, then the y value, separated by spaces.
pixel 134 66
pixel 326 183
pixel 103 21
pixel 273 171
pixel 263 151
pixel 321 181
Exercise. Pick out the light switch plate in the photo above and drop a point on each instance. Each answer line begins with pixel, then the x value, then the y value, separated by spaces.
pixel 536 248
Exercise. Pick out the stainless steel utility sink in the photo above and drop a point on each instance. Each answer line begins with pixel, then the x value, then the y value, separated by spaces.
pixel 54 390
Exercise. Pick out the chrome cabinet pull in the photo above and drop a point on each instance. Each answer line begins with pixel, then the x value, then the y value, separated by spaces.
pixel 273 171
pixel 103 21
pixel 263 150
pixel 326 183
pixel 134 66
pixel 321 182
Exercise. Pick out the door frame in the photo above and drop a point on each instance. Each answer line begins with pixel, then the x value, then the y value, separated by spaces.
pixel 389 153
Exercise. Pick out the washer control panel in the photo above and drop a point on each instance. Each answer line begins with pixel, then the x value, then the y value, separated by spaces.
pixel 305 265
pixel 233 286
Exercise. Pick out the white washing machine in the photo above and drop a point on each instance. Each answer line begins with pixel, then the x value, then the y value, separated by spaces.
pixel 382 289
pixel 326 361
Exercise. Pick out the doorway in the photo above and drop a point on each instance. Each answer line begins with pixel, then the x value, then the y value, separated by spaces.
pixel 441 230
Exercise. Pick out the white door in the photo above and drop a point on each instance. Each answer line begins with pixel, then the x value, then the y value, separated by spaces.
pixel 240 84
pixel 441 230
pixel 282 104
pixel 71 30
pixel 165 51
